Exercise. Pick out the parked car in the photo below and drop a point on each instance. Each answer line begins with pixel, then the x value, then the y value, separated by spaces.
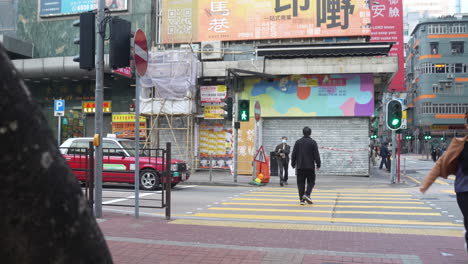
pixel 119 162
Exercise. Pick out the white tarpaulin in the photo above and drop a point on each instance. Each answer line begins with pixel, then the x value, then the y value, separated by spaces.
pixel 173 73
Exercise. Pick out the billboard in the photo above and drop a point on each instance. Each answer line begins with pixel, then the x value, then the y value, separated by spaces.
pixel 387 26
pixel 313 95
pixel 70 7
pixel 207 20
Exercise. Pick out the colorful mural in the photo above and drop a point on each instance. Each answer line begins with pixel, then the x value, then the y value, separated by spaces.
pixel 313 95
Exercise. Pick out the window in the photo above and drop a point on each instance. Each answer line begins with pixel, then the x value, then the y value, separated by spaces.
pixel 458 47
pixel 440 68
pixel 457 28
pixel 110 148
pixel 459 88
pixel 434 48
pixel 437 29
pixel 459 68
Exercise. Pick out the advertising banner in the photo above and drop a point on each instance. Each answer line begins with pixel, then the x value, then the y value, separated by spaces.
pixel 263 19
pixel 313 95
pixel 123 126
pixel 215 139
pixel 387 26
pixel 213 94
pixel 213 112
pixel 69 7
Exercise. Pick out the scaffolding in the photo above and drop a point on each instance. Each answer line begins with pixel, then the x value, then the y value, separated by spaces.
pixel 167 101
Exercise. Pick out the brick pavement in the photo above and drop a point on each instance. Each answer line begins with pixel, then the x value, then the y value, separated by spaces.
pixel 154 240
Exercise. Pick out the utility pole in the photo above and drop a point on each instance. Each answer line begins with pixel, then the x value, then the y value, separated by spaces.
pixel 99 94
pixel 236 134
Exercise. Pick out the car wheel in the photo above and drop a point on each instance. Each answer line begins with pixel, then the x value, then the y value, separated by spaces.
pixel 149 180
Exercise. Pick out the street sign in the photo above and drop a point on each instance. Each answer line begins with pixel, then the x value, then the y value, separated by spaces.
pixel 59 107
pixel 140 53
pixel 257 110
pixel 127 72
pixel 260 156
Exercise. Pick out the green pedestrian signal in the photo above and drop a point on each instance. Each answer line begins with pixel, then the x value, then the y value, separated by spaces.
pixel 394 114
pixel 244 110
pixel 373 136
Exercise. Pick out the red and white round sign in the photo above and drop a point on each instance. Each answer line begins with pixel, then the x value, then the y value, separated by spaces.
pixel 257 111
pixel 140 52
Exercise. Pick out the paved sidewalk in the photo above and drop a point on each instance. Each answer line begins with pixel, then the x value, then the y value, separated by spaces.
pixel 154 240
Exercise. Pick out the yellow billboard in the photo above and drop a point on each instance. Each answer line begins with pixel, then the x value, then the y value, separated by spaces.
pixel 207 20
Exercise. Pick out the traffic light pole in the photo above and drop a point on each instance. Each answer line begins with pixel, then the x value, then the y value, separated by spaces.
pixel 99 94
pixel 393 164
pixel 236 135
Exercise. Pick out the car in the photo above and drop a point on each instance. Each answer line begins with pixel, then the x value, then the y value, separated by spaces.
pixel 119 162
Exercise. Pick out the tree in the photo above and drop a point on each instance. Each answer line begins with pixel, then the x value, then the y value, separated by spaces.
pixel 44 217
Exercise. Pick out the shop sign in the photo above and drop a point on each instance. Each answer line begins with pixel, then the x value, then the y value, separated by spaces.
pixel 70 7
pixel 123 118
pixel 208 20
pixel 123 126
pixel 213 112
pixel 213 94
pixel 90 107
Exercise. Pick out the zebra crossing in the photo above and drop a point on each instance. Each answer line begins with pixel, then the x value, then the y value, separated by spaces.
pixel 375 207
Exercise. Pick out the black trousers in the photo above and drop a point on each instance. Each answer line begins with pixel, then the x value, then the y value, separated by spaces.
pixel 283 170
pixel 304 175
pixel 384 161
pixel 462 200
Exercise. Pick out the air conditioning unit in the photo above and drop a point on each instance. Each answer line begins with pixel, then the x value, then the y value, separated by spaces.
pixel 211 50
pixel 450 76
pixel 454 51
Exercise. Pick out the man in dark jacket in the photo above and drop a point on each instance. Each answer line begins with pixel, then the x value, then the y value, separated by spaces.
pixel 305 158
pixel 384 154
pixel 282 156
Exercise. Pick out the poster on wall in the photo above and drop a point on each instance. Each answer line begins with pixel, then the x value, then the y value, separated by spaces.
pixel 71 7
pixel 210 20
pixel 215 139
pixel 123 126
pixel 313 95
pixel 246 148
pixel 387 26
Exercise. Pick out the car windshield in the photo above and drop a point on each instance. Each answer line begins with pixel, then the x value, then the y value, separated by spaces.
pixel 129 146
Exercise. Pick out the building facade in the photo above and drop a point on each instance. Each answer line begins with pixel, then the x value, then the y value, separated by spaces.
pixel 324 74
pixel 437 79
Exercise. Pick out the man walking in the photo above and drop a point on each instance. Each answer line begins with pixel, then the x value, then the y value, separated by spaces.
pixel 384 154
pixel 305 158
pixel 282 156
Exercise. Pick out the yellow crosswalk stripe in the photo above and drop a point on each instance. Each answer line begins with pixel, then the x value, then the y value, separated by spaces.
pixel 451 178
pixel 449 191
pixel 341 198
pixel 441 182
pixel 341 194
pixel 325 201
pixel 319 211
pixel 325 219
pixel 332 206
pixel 376 191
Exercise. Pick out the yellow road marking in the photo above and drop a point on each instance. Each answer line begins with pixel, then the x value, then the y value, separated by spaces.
pixel 320 211
pixel 449 191
pixel 324 201
pixel 341 198
pixel 377 191
pixel 341 194
pixel 326 219
pixel 314 227
pixel 333 206
pixel 451 178
pixel 413 179
pixel 441 182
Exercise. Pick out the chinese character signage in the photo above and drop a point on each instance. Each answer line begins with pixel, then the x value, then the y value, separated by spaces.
pixel 69 7
pixel 215 139
pixel 263 19
pixel 90 107
pixel 387 26
pixel 123 126
pixel 213 112
pixel 213 94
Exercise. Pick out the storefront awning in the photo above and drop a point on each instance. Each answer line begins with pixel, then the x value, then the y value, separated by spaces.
pixel 325 50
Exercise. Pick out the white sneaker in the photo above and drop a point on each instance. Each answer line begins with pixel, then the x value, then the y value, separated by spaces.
pixel 464 239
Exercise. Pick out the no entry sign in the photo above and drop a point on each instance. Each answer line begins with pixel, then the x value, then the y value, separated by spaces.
pixel 140 53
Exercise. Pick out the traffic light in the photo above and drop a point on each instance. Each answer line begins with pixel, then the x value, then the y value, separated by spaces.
pixel 86 40
pixel 427 135
pixel 394 114
pixel 373 136
pixel 409 137
pixel 244 110
pixel 228 109
pixel 119 46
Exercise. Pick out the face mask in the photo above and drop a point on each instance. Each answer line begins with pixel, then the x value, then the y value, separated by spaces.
pixel 284 140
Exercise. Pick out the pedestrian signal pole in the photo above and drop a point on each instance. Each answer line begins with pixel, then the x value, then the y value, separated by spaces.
pixel 394 115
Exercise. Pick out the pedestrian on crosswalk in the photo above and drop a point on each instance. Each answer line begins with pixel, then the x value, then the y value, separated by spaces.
pixel 282 156
pixel 384 154
pixel 454 161
pixel 305 158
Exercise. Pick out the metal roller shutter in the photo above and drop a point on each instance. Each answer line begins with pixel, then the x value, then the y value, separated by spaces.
pixel 343 141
